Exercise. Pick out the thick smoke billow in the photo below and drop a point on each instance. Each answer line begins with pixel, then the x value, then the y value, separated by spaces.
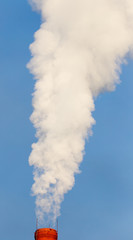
pixel 76 55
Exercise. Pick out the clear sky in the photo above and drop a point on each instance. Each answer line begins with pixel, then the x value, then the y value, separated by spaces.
pixel 100 206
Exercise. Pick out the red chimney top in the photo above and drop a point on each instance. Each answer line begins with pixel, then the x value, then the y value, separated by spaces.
pixel 46 234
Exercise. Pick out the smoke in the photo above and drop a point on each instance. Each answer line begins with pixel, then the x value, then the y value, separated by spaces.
pixel 77 54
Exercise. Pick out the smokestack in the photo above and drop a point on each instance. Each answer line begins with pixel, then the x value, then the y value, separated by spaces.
pixel 46 234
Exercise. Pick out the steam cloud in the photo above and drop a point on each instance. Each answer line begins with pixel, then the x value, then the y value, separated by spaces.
pixel 76 55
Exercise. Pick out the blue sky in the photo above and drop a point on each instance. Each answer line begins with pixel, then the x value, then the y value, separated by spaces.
pixel 100 206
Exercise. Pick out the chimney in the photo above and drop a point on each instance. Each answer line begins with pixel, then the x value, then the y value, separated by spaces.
pixel 46 234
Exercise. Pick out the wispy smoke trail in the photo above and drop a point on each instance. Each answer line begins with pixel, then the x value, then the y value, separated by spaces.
pixel 76 54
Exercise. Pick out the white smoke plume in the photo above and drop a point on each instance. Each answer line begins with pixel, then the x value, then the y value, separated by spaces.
pixel 76 55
